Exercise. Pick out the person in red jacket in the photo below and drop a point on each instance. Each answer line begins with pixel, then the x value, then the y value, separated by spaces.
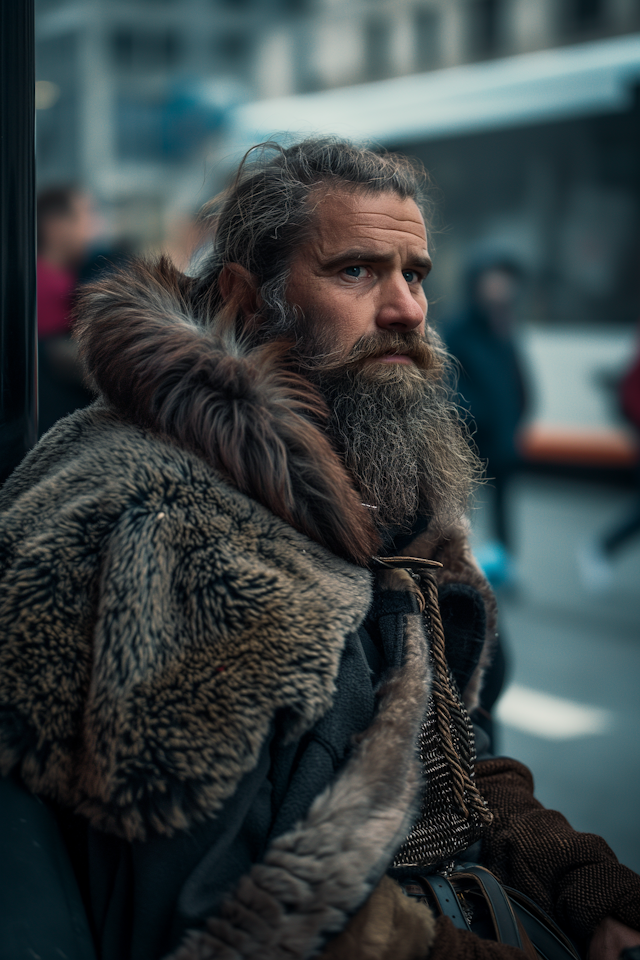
pixel 66 225
pixel 595 560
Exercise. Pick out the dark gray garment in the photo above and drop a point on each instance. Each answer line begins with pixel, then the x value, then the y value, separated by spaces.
pixel 41 910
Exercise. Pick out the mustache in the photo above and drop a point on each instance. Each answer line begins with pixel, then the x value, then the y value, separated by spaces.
pixel 373 347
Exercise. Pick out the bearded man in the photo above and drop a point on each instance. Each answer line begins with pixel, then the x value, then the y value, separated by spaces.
pixel 242 631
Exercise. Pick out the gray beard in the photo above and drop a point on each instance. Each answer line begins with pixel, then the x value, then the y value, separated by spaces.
pixel 403 440
pixel 395 426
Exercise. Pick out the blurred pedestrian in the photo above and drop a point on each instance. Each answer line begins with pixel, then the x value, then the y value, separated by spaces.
pixel 492 388
pixel 65 228
pixel 595 559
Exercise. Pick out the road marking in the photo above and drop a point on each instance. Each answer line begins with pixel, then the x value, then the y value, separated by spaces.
pixel 553 718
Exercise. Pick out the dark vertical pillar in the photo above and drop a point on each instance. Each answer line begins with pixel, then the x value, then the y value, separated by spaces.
pixel 18 410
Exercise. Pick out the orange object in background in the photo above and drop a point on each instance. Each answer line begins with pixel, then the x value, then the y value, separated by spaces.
pixel 600 447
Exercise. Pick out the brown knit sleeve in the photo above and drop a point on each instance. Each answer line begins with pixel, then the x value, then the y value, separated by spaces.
pixel 574 876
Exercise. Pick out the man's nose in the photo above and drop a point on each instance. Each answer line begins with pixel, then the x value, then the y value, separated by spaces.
pixel 400 308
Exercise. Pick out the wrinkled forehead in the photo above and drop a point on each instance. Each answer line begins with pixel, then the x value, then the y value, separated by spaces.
pixel 342 215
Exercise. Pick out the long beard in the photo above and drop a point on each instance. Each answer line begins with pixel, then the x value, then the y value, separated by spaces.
pixel 396 427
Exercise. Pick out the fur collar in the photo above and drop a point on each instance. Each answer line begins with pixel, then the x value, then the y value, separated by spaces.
pixel 111 504
pixel 153 621
pixel 250 417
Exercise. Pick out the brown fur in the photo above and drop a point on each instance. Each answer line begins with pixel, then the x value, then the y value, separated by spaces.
pixel 103 619
pixel 247 414
pixel 152 622
pixel 241 409
pixel 154 617
pixel 391 926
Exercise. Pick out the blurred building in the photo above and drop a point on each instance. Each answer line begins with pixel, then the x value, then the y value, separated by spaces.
pixel 129 91
pixel 147 102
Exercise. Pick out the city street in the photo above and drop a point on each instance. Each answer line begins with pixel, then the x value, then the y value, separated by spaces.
pixel 571 708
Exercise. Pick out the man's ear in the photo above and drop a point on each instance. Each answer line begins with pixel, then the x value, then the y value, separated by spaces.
pixel 239 288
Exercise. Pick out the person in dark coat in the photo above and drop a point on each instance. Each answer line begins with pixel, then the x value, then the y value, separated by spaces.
pixel 491 381
pixel 241 629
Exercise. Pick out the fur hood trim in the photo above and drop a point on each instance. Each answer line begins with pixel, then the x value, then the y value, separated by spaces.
pixel 241 409
pixel 319 874
pixel 154 616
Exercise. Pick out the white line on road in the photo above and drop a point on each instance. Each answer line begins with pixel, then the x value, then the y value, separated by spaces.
pixel 553 718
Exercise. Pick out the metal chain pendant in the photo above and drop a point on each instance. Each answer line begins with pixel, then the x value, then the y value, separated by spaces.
pixel 453 812
pixel 442 830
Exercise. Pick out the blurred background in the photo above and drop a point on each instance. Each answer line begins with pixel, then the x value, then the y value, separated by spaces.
pixel 526 114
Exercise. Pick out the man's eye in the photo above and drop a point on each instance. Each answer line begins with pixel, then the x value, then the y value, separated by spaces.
pixel 356 272
pixel 411 276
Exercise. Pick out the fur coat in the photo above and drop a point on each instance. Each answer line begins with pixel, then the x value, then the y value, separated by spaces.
pixel 184 562
pixel 180 563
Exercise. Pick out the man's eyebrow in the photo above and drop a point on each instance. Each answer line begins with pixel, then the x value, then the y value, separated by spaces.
pixel 359 254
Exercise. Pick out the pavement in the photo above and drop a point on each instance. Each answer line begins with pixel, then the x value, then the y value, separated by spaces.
pixel 570 709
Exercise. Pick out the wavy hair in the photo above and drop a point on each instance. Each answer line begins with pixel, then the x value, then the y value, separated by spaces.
pixel 265 214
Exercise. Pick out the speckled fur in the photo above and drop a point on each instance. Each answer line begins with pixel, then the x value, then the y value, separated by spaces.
pixel 242 409
pixel 153 619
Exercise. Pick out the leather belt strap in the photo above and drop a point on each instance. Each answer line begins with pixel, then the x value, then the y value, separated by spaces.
pixel 549 939
pixel 515 919
pixel 446 899
pixel 502 914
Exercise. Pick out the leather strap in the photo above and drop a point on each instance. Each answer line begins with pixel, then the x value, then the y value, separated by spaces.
pixel 550 941
pixel 502 915
pixel 446 899
pixel 517 921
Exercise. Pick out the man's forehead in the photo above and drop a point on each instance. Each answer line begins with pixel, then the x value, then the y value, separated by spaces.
pixel 345 216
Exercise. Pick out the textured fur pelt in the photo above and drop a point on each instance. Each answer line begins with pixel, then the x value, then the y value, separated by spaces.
pixel 246 413
pixel 314 877
pixel 243 410
pixel 153 620
pixel 390 926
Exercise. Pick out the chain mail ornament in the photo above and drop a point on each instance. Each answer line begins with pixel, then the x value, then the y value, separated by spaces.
pixel 453 812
